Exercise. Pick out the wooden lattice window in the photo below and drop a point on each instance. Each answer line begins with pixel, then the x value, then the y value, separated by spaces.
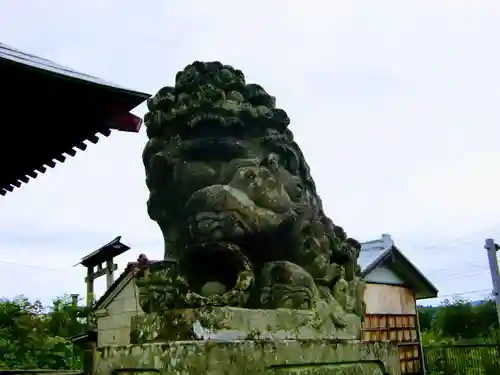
pixel 401 329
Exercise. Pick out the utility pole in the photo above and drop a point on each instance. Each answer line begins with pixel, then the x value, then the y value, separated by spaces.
pixel 492 249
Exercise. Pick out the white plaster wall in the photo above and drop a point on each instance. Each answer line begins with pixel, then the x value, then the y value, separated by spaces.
pixel 383 275
pixel 114 328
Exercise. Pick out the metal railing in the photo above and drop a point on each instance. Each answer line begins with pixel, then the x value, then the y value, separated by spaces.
pixel 462 359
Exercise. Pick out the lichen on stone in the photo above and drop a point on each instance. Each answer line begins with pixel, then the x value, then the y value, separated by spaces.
pixel 238 208
pixel 312 357
pixel 256 279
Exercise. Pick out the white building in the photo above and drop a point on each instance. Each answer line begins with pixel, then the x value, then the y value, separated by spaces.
pixel 394 285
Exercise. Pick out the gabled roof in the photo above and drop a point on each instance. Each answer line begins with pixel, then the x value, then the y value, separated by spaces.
pixel 106 252
pixel 123 280
pixel 49 111
pixel 383 252
pixel 117 286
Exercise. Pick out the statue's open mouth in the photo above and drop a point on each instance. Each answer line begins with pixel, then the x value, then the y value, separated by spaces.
pixel 218 271
pixel 212 263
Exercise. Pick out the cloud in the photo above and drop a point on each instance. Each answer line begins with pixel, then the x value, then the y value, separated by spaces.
pixel 395 105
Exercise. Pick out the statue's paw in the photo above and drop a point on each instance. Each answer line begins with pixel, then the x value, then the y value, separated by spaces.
pixel 215 226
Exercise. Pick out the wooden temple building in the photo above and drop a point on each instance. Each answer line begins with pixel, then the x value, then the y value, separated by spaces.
pixel 394 285
pixel 49 111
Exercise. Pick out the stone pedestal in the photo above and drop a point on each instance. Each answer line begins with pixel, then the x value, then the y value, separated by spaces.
pixel 237 341
pixel 252 357
pixel 233 323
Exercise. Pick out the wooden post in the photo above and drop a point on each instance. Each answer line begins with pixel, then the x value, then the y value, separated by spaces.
pixel 109 273
pixel 90 285
pixel 89 353
pixel 91 276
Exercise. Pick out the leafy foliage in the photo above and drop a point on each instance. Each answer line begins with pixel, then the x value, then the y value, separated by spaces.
pixel 34 337
pixel 455 337
pixel 460 321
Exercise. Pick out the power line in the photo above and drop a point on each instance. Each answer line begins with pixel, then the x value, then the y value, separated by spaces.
pixel 480 291
pixel 463 265
pixel 461 241
pixel 469 238
pixel 19 264
pixel 465 275
pixel 36 266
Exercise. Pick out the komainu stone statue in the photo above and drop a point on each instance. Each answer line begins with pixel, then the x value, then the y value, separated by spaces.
pixel 234 198
pixel 249 253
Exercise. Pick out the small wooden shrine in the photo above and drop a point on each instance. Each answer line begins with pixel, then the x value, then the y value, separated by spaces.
pixel 394 285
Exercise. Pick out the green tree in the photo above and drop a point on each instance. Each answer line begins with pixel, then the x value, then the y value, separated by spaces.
pixel 487 319
pixel 456 319
pixel 426 317
pixel 460 320
pixel 34 337
pixel 65 318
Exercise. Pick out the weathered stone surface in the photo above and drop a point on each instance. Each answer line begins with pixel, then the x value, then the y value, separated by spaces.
pixel 250 357
pixel 256 278
pixel 233 323
pixel 237 205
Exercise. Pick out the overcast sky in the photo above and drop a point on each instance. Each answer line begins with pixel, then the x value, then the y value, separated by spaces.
pixel 394 103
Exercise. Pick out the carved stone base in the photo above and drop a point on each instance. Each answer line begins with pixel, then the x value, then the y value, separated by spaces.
pixel 232 323
pixel 249 357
